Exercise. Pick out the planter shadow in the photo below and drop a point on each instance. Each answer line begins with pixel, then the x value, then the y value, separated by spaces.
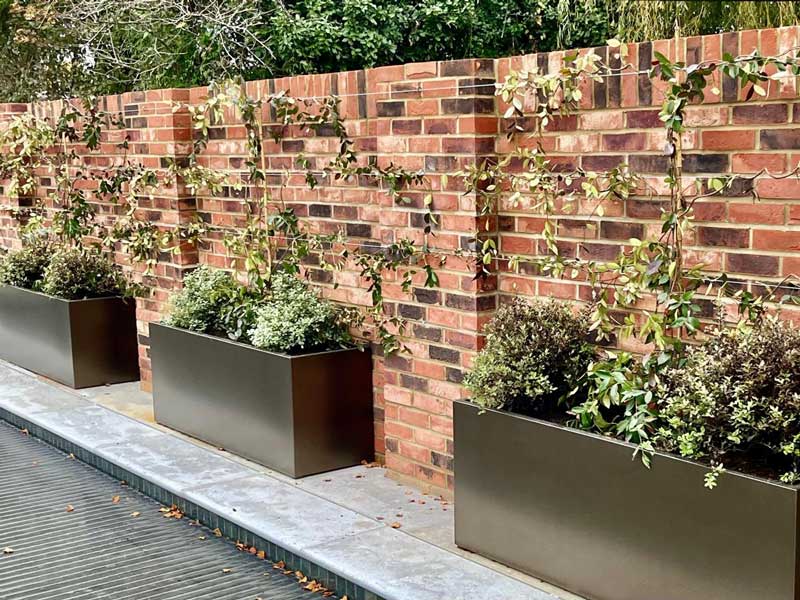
pixel 298 415
pixel 576 509
pixel 80 343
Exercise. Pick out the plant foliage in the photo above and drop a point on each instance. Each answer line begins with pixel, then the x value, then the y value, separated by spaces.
pixel 25 268
pixel 535 359
pixel 297 320
pixel 736 401
pixel 76 273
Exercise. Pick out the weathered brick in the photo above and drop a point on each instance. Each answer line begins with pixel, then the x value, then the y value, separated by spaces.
pixel 760 113
pixel 641 119
pixel 723 236
pixel 467 106
pixel 780 139
pixel 705 163
pixel 614 230
pixel 391 109
pixel 443 354
pixel 755 264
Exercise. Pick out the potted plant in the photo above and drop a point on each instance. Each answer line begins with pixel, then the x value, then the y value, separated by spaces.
pixel 67 313
pixel 572 507
pixel 271 375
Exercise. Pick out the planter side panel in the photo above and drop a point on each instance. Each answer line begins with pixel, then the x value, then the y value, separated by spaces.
pixel 104 341
pixel 35 333
pixel 333 413
pixel 226 394
pixel 576 510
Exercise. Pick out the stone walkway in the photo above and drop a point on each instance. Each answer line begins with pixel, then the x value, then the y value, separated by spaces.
pixel 388 540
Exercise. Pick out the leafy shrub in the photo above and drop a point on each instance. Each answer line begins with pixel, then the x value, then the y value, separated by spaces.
pixel 297 320
pixel 75 273
pixel 199 304
pixel 25 268
pixel 737 401
pixel 536 354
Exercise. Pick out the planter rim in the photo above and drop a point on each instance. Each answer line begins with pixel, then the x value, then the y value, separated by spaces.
pixel 58 298
pixel 256 348
pixel 632 447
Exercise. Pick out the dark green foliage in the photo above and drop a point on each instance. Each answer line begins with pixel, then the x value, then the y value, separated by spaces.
pixel 172 43
pixel 77 273
pixel 204 303
pixel 25 267
pixel 736 402
pixel 536 355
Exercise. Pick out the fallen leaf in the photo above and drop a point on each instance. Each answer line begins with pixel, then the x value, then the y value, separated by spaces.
pixel 71 455
pixel 201 537
pixel 395 525
pixel 115 500
pixel 135 514
pixel 227 570
pixel 217 532
pixel 8 550
pixel 70 508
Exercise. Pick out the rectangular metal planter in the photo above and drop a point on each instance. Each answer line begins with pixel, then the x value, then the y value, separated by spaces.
pixel 574 509
pixel 80 343
pixel 299 415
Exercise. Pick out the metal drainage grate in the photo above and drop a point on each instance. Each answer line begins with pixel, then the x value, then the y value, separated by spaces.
pixel 68 531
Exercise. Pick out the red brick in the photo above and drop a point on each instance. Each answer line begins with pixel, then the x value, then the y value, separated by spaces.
pixel 752 163
pixel 729 140
pixel 764 239
pixel 768 214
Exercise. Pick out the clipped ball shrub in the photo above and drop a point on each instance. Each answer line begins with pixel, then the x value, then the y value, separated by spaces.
pixel 75 273
pixel 535 360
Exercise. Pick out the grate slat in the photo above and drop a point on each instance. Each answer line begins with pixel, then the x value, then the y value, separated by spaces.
pixel 99 551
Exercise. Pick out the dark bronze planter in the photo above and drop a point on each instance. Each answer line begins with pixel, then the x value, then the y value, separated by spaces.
pixel 80 343
pixel 574 509
pixel 299 415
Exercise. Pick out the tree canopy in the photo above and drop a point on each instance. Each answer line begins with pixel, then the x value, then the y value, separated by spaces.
pixel 57 48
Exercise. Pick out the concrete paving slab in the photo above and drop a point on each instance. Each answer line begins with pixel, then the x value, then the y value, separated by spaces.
pixel 171 463
pixel 404 567
pixel 273 510
pixel 89 425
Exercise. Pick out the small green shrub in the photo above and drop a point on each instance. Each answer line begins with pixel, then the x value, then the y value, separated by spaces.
pixel 737 402
pixel 536 354
pixel 25 267
pixel 199 305
pixel 75 273
pixel 297 320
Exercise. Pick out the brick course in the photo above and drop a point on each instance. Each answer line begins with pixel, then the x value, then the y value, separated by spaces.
pixel 440 117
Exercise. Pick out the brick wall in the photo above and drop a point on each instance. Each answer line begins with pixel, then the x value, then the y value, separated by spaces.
pixel 441 116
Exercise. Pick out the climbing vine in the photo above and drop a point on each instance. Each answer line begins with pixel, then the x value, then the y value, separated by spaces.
pixel 622 384
pixel 272 237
